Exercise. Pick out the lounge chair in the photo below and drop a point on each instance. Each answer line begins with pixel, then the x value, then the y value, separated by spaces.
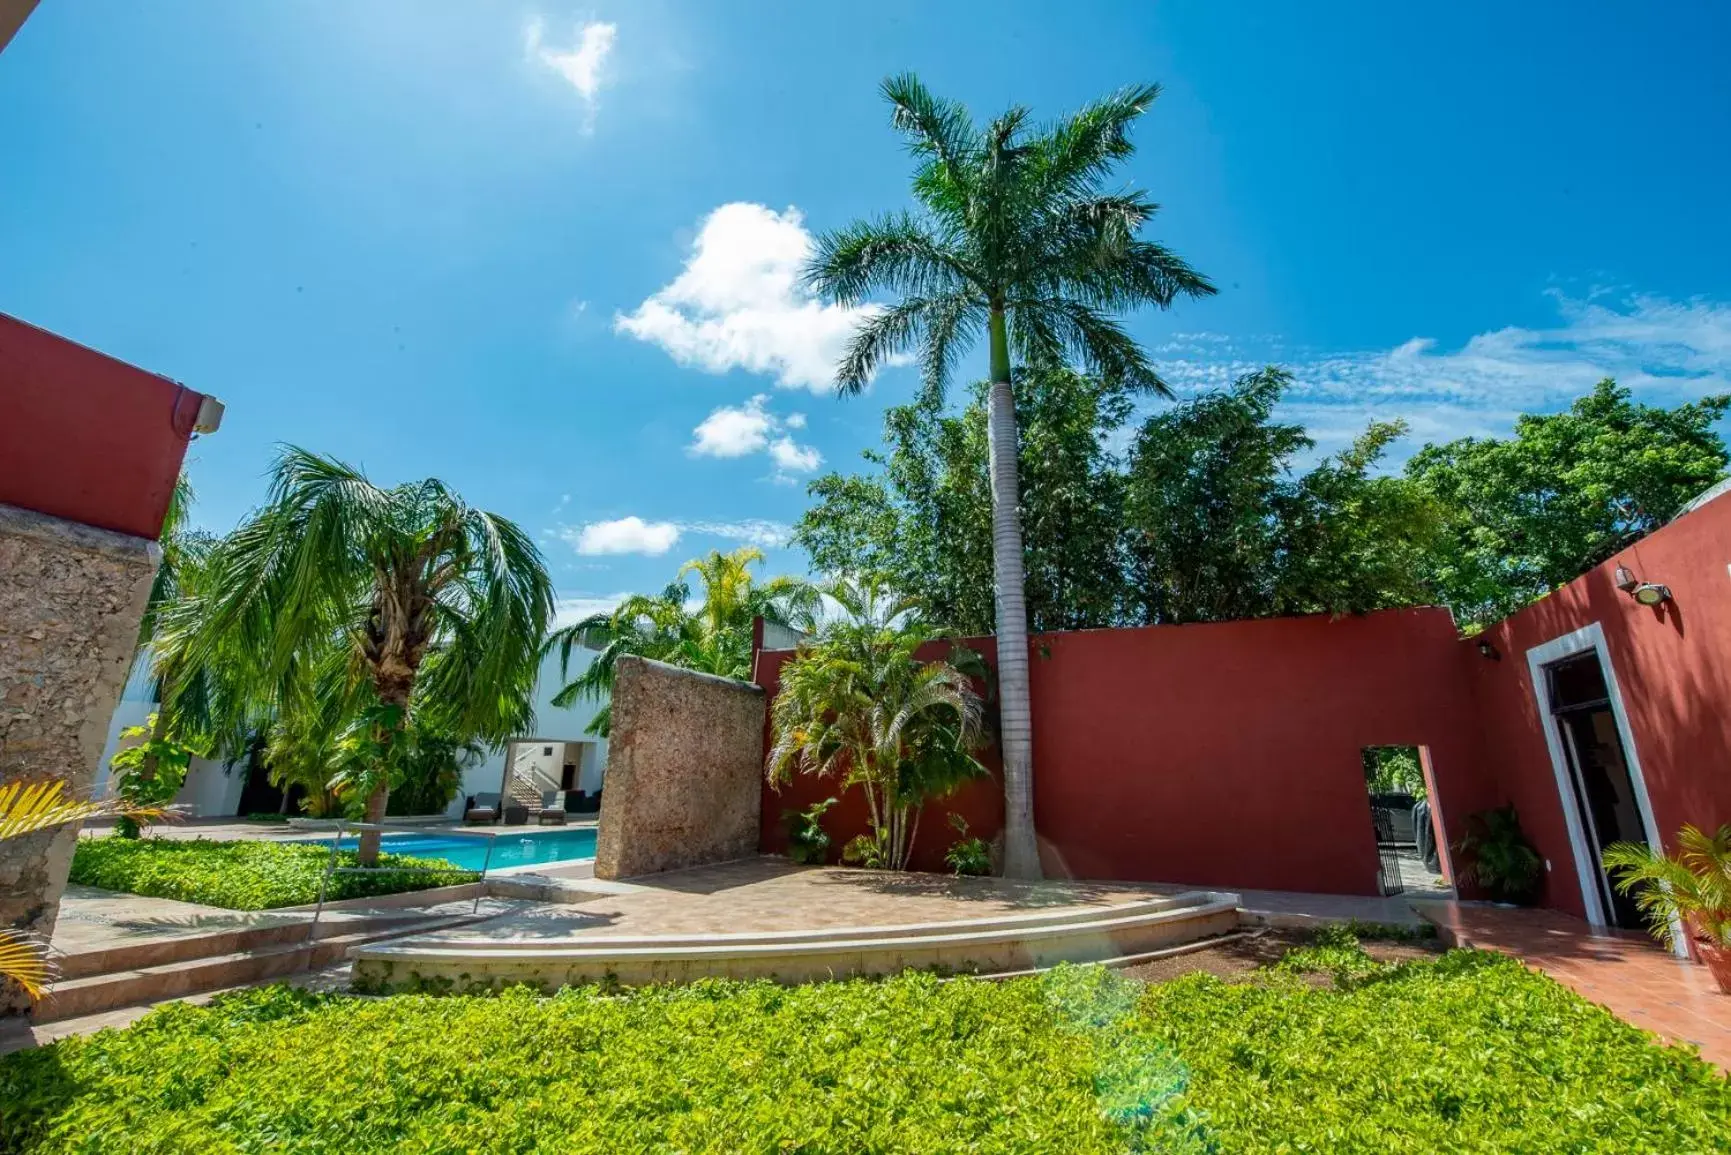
pixel 552 812
pixel 481 808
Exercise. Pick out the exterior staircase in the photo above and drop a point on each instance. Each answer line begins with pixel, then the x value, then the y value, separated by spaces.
pixel 173 967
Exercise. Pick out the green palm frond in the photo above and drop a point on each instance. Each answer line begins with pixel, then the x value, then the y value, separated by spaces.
pixel 1689 891
pixel 1011 218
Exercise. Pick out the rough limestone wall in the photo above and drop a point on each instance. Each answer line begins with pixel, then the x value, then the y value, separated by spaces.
pixel 71 598
pixel 684 763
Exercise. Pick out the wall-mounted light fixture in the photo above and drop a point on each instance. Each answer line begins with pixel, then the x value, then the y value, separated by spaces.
pixel 1646 593
pixel 1651 593
pixel 1489 651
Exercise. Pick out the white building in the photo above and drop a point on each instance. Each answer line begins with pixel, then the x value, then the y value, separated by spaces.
pixel 555 755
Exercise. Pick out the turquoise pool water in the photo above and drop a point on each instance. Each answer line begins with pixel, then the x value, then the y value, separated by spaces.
pixel 509 849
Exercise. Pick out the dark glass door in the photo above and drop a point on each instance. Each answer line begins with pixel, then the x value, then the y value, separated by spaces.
pixel 1599 769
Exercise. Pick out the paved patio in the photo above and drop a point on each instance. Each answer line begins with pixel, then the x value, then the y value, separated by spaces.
pixel 769 894
pixel 1624 972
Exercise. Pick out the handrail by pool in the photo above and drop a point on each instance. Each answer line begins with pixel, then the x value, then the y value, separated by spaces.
pixel 344 826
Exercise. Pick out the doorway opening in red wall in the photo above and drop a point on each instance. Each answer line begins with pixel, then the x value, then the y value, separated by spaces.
pixel 1602 789
pixel 1408 858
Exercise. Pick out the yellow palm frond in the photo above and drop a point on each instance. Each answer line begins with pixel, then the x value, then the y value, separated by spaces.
pixel 26 808
pixel 25 962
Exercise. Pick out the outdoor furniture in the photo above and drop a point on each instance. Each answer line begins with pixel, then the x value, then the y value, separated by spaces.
pixel 552 812
pixel 516 814
pixel 481 808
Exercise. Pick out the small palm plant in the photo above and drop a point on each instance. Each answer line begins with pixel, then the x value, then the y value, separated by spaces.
pixel 1684 893
pixel 861 705
pixel 30 808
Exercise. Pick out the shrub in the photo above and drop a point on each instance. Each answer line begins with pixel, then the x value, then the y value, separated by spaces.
pixel 807 840
pixel 968 856
pixel 911 1064
pixel 244 875
pixel 1497 856
pixel 1472 1052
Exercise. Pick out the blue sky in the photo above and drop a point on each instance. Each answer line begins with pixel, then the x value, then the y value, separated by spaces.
pixel 545 252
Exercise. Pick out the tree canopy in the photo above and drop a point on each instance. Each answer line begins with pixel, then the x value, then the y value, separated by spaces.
pixel 1530 512
pixel 1208 513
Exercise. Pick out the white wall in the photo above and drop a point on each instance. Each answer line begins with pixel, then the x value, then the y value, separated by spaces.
pixel 210 787
pixel 553 727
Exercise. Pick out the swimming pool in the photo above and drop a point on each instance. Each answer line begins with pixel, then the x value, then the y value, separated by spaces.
pixel 509 849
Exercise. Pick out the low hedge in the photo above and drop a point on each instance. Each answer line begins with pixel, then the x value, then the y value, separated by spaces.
pixel 244 875
pixel 911 1064
pixel 1471 1052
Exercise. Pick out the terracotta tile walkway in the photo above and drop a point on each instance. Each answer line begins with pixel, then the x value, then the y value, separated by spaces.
pixel 1624 972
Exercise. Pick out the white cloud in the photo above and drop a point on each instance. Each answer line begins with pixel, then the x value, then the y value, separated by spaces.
pixel 624 535
pixel 569 609
pixel 790 457
pixel 730 432
pixel 752 531
pixel 751 428
pixel 1664 351
pixel 738 303
pixel 633 535
pixel 582 66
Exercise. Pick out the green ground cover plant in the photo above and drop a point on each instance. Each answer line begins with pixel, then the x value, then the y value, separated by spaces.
pixel 912 1064
pixel 1469 1052
pixel 245 875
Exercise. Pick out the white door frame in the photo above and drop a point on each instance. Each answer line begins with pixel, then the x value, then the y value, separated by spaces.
pixel 1588 637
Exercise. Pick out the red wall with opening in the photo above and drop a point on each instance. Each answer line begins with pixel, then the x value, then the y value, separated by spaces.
pixel 1223 754
pixel 86 437
pixel 1673 668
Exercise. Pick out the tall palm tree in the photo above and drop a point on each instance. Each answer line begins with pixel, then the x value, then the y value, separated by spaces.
pixel 714 638
pixel 441 607
pixel 1017 237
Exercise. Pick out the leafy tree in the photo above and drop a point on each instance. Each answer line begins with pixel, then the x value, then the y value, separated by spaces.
pixel 1218 527
pixel 922 523
pixel 715 637
pixel 440 607
pixel 1534 511
pixel 1018 239
pixel 859 704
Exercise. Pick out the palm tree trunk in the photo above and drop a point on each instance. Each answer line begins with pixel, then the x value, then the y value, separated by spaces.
pixel 1016 726
pixel 392 691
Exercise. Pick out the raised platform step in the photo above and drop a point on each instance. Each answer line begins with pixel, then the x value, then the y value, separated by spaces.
pixel 975 946
pixel 172 968
pixel 169 948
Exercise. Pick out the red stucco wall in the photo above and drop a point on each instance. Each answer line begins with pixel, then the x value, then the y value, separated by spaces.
pixel 1224 754
pixel 86 437
pixel 1673 668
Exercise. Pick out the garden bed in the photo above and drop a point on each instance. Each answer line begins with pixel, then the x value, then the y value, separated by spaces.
pixel 246 875
pixel 1466 1052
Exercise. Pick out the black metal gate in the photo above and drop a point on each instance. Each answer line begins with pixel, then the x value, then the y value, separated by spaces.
pixel 1387 852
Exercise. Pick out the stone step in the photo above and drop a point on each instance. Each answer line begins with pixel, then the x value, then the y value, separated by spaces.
pixel 982 946
pixel 229 940
pixel 162 981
